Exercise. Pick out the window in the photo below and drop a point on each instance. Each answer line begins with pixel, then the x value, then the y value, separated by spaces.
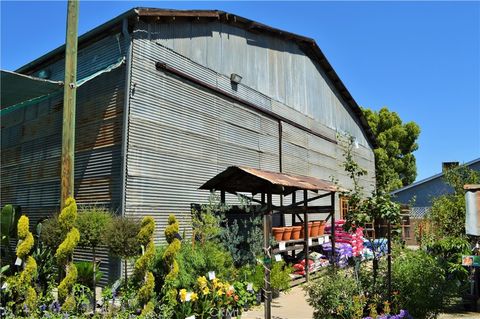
pixel 343 206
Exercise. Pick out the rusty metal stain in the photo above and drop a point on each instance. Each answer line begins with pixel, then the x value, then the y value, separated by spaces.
pixel 280 182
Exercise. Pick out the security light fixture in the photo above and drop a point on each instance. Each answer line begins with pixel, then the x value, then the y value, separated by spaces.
pixel 235 78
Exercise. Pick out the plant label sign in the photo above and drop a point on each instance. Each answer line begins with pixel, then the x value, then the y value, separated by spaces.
pixel 278 257
pixel 191 317
pixel 249 286
pixel 320 240
pixel 188 296
pixel 310 242
pixel 327 239
pixel 281 246
pixel 211 275
pixel 18 262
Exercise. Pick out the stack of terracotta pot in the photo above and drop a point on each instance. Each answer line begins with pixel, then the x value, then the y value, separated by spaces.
pixel 315 229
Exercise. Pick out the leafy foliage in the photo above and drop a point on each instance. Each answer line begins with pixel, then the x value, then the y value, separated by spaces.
pixel 336 295
pixel 85 273
pixel 280 276
pixel 64 253
pixel 142 274
pixel 447 214
pixel 91 223
pixel 170 264
pixel 394 160
pixel 121 237
pixel 420 283
pixel 51 233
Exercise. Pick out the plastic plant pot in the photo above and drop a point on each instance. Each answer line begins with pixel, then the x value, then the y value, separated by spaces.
pixel 321 228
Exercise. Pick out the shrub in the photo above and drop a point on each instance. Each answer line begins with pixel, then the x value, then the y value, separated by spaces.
pixel 335 295
pixel 64 253
pixel 280 276
pixel 85 273
pixel 419 283
pixel 51 233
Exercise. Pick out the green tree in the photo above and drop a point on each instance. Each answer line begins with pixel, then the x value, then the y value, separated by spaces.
pixel 447 215
pixel 394 160
pixel 92 223
pixel 121 239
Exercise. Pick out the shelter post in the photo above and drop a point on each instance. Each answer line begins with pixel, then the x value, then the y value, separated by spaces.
pixel 306 235
pixel 332 203
pixel 267 226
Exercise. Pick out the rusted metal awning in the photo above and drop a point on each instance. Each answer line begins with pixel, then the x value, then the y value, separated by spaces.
pixel 253 180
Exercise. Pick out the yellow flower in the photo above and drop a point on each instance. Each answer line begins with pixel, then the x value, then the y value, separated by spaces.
pixel 205 291
pixel 194 296
pixel 215 282
pixel 202 282
pixel 220 293
pixel 183 295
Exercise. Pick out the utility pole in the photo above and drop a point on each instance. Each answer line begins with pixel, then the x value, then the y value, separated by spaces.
pixel 69 101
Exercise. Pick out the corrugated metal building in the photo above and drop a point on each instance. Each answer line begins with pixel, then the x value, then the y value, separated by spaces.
pixel 166 117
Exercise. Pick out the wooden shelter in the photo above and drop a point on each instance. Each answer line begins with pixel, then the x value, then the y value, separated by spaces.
pixel 240 179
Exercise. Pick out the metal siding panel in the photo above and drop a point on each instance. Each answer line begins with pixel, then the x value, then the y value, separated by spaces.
pixel 31 157
pixel 181 135
pixel 92 58
pixel 271 67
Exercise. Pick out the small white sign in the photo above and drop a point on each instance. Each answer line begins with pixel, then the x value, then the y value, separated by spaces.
pixel 278 257
pixel 55 294
pixel 327 239
pixel 310 242
pixel 249 286
pixel 5 285
pixel 18 262
pixel 320 240
pixel 281 246
pixel 188 296
pixel 211 275
pixel 191 317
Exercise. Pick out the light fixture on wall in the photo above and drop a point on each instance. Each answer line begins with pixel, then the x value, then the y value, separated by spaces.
pixel 235 78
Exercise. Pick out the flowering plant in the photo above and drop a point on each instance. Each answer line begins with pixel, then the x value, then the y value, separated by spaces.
pixel 403 314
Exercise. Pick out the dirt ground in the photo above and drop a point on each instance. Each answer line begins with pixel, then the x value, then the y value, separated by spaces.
pixel 293 305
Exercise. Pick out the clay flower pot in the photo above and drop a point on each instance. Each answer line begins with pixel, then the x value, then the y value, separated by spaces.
pixel 278 233
pixel 321 228
pixel 315 226
pixel 310 229
pixel 287 233
pixel 296 232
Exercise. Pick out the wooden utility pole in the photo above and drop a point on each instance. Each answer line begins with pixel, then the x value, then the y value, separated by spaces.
pixel 69 101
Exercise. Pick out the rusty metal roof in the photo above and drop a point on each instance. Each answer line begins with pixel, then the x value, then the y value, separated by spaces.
pixel 253 180
pixel 308 45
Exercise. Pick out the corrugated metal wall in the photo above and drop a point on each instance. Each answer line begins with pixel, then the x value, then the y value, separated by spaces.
pixel 31 146
pixel 180 136
pixel 270 66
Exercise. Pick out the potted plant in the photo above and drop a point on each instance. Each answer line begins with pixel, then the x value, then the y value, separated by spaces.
pixel 280 277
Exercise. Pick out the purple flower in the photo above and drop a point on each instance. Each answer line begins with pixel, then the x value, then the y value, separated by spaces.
pixel 43 307
pixel 55 306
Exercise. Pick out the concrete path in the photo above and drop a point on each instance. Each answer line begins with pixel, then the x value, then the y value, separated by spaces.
pixel 291 305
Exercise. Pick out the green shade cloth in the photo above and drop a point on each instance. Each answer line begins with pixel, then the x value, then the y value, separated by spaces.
pixel 18 88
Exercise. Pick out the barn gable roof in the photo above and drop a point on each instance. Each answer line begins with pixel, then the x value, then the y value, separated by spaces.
pixel 308 45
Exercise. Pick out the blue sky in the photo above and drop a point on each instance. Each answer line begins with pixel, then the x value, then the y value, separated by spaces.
pixel 420 59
